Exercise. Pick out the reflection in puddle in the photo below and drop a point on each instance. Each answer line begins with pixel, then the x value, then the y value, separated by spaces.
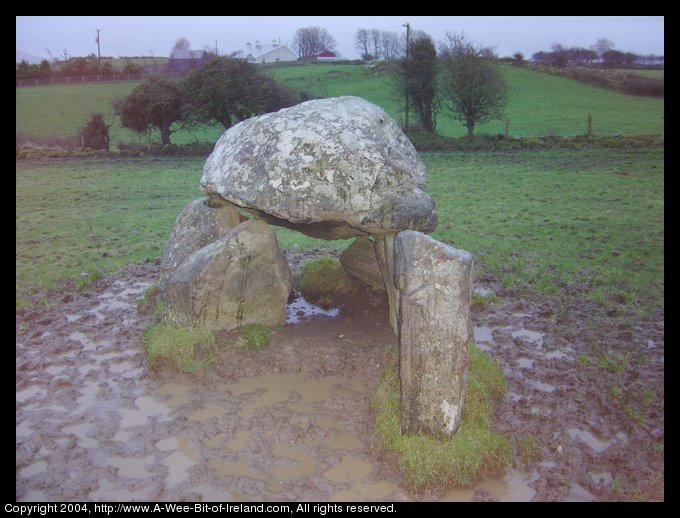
pixel 34 469
pixel 543 387
pixel 588 438
pixel 484 338
pixel 298 463
pixel 530 337
pixel 513 487
pixel 300 310
pixel 132 467
pixel 525 363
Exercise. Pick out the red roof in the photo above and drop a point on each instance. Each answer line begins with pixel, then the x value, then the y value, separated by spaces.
pixel 325 54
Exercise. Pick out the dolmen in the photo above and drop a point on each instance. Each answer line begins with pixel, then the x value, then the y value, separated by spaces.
pixel 333 168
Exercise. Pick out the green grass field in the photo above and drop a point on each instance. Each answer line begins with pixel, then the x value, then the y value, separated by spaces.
pixel 539 220
pixel 540 104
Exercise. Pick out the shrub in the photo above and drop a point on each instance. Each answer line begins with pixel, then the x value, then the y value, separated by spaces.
pixel 95 133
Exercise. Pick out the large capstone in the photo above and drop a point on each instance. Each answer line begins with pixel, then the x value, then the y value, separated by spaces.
pixel 241 278
pixel 330 168
pixel 434 284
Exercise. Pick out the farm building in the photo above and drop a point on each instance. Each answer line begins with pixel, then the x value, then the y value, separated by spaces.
pixel 270 54
pixel 186 60
pixel 325 55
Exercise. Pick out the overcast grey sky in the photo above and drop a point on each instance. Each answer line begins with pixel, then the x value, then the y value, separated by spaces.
pixel 155 35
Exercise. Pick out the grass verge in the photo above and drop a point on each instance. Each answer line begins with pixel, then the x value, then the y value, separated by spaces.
pixel 186 350
pixel 473 452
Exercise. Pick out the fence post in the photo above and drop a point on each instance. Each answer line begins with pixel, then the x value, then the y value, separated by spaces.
pixel 589 131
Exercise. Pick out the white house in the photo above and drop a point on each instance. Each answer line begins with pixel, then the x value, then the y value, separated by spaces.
pixel 270 54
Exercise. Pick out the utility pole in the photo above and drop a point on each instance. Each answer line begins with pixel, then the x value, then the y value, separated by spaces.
pixel 408 39
pixel 99 54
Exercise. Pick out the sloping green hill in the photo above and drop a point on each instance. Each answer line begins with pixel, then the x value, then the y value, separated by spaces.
pixel 540 104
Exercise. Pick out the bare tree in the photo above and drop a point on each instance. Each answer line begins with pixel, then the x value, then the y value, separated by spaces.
pixel 375 40
pixel 472 87
pixel 390 44
pixel 602 46
pixel 361 41
pixel 181 44
pixel 311 40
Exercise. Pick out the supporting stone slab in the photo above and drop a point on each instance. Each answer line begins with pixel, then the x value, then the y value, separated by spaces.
pixel 202 222
pixel 433 284
pixel 242 278
pixel 359 261
pixel 384 254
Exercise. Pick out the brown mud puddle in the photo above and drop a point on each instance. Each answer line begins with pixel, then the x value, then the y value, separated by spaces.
pixel 286 423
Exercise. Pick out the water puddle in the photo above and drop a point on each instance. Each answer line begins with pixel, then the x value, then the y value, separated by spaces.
pixel 301 310
pixel 529 337
pixel 525 363
pixel 591 440
pixel 603 478
pixel 541 386
pixel 182 458
pixel 513 487
pixel 81 431
pixel 484 338
pixel 34 469
pixel 298 463
pixel 29 393
pixel 558 355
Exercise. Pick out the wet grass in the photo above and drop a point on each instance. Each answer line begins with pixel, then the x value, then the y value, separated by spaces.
pixel 90 215
pixel 189 350
pixel 585 224
pixel 473 452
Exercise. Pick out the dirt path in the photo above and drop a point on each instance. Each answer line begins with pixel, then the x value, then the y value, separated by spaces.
pixel 290 422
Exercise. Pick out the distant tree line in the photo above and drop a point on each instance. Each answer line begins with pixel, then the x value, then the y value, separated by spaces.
pixel 73 66
pixel 601 53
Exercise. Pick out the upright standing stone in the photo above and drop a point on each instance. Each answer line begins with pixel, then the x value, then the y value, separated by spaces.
pixel 434 284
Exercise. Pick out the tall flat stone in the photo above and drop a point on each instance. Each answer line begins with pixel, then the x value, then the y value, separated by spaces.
pixel 433 283
pixel 241 278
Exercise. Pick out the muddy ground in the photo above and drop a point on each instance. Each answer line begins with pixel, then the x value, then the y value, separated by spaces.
pixel 290 422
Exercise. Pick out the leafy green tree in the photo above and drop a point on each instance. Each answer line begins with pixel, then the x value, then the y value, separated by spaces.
pixel 415 80
pixel 156 103
pixel 421 80
pixel 229 90
pixel 472 87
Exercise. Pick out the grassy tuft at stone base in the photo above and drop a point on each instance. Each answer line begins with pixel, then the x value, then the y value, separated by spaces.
pixel 323 280
pixel 473 452
pixel 254 336
pixel 179 348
